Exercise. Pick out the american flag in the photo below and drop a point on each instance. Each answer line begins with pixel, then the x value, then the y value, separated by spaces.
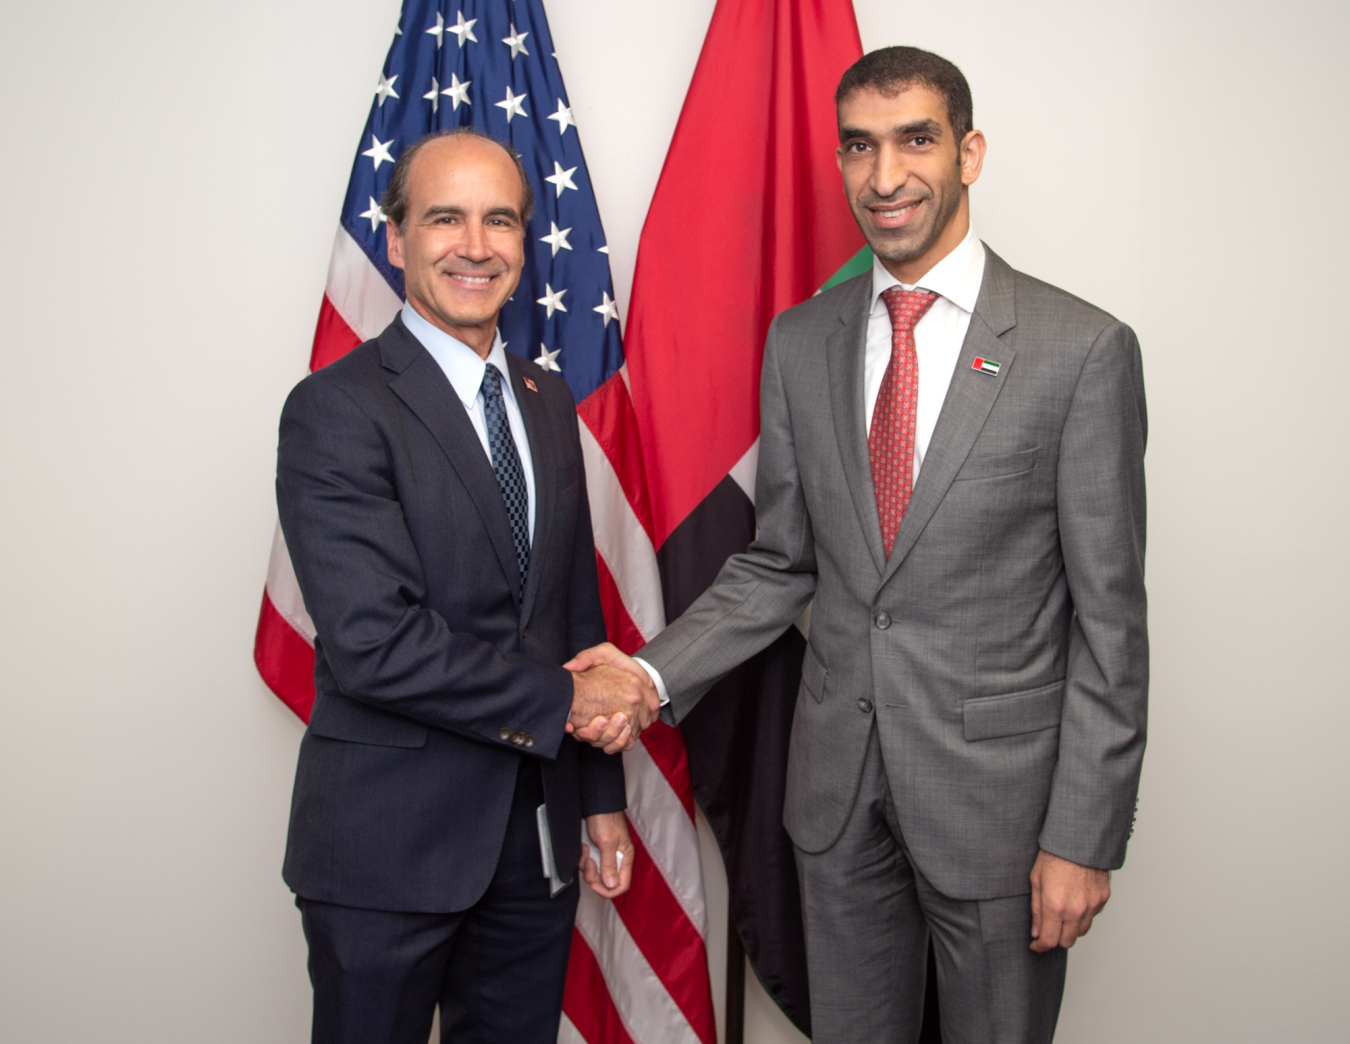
pixel 638 970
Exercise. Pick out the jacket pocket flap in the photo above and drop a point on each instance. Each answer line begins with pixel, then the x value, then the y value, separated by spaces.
pixel 813 673
pixel 999 465
pixel 340 717
pixel 987 717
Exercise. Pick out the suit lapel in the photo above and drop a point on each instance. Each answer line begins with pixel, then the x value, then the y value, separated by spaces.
pixel 846 351
pixel 542 452
pixel 970 397
pixel 424 389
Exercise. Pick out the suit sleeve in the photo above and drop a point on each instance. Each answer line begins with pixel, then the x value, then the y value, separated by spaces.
pixel 1101 508
pixel 759 593
pixel 601 774
pixel 364 586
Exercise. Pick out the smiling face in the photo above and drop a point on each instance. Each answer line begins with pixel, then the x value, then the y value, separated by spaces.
pixel 906 176
pixel 462 246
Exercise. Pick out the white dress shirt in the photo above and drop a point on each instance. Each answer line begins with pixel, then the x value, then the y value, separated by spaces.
pixel 465 368
pixel 938 337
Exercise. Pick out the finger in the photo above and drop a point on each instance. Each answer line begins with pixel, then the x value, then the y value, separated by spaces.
pixel 589 872
pixel 592 730
pixel 620 743
pixel 618 726
pixel 1050 934
pixel 609 863
pixel 625 868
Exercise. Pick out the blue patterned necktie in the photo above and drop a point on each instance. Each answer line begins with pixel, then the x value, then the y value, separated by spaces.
pixel 506 465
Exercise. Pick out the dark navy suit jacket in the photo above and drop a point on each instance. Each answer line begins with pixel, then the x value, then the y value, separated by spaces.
pixel 435 674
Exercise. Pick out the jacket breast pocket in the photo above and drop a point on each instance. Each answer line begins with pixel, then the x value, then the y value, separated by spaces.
pixel 339 717
pixel 813 674
pixel 1013 713
pixel 998 465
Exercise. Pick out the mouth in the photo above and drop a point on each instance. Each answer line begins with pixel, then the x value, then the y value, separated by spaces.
pixel 471 280
pixel 894 215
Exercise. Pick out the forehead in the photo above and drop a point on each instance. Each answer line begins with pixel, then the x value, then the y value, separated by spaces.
pixel 460 166
pixel 877 112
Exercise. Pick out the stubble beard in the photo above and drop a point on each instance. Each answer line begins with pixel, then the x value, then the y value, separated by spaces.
pixel 905 246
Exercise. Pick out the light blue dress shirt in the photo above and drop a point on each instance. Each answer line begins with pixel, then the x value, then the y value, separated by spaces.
pixel 464 368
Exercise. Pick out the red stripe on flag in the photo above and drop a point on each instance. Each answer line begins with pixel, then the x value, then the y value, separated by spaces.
pixel 608 413
pixel 618 624
pixel 333 338
pixel 760 104
pixel 285 660
pixel 666 746
pixel 663 932
pixel 586 999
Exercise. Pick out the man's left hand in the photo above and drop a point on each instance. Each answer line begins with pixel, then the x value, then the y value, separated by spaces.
pixel 1065 897
pixel 609 832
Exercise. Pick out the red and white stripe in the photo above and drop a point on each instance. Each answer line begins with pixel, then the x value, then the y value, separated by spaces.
pixel 639 969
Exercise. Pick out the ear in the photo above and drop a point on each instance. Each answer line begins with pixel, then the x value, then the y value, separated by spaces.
pixel 393 244
pixel 971 155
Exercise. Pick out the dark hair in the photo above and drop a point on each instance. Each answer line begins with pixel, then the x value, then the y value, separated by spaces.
pixel 891 70
pixel 394 202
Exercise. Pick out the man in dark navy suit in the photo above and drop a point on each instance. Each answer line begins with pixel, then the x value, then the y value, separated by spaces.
pixel 433 498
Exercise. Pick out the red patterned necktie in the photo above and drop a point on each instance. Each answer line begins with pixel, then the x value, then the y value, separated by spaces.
pixel 890 442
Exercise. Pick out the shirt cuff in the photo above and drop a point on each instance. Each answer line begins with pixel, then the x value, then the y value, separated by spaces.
pixel 657 680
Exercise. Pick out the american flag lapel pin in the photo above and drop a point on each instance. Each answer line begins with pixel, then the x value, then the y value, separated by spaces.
pixel 534 388
pixel 986 366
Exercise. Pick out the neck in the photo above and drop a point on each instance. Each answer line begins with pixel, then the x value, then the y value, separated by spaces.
pixel 912 270
pixel 477 336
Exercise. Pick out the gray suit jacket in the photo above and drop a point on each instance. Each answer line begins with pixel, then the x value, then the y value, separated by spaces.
pixel 1002 650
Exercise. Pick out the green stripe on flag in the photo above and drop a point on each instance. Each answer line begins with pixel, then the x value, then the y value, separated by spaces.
pixel 855 265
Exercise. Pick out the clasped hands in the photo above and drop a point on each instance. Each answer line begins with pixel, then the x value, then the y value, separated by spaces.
pixel 613 698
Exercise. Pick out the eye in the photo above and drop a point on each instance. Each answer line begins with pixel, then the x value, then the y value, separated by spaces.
pixel 856 147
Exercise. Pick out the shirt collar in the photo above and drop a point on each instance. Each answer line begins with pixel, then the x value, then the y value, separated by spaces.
pixel 957 277
pixel 462 365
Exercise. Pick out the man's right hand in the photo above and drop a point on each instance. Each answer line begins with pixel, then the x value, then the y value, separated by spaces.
pixel 611 706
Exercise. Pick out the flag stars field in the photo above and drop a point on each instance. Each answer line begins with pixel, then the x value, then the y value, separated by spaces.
pixel 458 92
pixel 379 151
pixel 374 215
pixel 463 30
pixel 513 104
pixel 516 41
pixel 557 238
pixel 560 179
pixel 564 118
pixel 608 308
pixel 552 300
pixel 548 360
pixel 384 90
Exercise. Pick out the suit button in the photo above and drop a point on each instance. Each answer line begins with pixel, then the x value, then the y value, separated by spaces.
pixel 883 620
pixel 518 738
pixel 529 741
pixel 503 734
pixel 865 706
pixel 525 633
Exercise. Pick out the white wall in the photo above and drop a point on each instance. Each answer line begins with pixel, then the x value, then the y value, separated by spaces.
pixel 170 179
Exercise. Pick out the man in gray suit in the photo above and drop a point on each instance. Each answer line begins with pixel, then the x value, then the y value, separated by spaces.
pixel 951 464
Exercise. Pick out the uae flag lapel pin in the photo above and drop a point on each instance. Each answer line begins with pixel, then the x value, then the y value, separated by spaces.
pixel 986 366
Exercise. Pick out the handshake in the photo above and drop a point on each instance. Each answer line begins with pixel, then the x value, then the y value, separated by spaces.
pixel 613 698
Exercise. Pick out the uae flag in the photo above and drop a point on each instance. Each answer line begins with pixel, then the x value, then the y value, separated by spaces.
pixel 749 218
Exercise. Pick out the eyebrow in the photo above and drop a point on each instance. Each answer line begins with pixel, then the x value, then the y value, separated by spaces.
pixel 432 212
pixel 929 127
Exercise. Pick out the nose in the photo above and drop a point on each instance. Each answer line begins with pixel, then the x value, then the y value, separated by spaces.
pixel 890 172
pixel 474 245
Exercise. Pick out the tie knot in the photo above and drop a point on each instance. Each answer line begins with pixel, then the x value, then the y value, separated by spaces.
pixel 907 307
